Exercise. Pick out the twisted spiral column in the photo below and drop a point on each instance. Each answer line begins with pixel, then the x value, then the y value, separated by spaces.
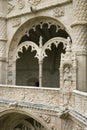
pixel 80 41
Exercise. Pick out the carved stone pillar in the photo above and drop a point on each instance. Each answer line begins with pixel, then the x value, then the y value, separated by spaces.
pixel 2 42
pixel 80 41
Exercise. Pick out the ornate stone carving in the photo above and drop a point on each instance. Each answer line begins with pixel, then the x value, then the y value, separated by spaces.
pixel 58 11
pixel 80 10
pixel 46 118
pixel 21 4
pixel 41 54
pixel 37 125
pixel 80 38
pixel 34 2
pixel 67 78
pixel 16 22
pixel 66 68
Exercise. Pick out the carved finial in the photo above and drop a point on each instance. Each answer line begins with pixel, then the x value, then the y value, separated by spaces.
pixel 40 42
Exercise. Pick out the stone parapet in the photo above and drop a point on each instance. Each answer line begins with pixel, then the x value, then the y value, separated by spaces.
pixel 45 96
pixel 78 102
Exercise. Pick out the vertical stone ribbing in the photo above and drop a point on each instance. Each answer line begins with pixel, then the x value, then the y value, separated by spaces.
pixel 80 41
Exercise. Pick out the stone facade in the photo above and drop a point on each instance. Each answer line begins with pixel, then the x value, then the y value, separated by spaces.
pixel 43 49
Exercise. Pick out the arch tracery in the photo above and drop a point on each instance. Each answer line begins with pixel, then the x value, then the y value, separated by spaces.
pixel 41 35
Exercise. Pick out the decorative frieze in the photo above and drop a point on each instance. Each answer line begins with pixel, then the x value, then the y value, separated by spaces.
pixel 67 78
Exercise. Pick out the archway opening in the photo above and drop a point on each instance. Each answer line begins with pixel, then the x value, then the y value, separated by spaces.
pixel 27 68
pixel 51 64
pixel 17 121
pixel 31 31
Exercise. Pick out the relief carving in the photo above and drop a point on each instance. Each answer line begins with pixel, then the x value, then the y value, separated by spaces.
pixel 58 12
pixel 21 4
pixel 46 118
pixel 67 79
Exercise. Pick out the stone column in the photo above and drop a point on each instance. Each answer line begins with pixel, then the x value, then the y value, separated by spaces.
pixel 80 41
pixel 3 42
pixel 40 72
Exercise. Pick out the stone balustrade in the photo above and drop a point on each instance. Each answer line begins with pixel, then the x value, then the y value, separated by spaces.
pixel 51 97
pixel 45 96
pixel 78 102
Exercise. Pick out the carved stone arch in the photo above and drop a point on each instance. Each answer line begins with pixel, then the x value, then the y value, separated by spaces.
pixel 16 39
pixel 25 113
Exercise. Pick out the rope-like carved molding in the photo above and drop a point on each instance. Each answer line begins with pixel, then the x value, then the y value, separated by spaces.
pixel 40 50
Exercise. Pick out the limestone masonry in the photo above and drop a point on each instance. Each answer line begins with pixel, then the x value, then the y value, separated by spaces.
pixel 43 64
